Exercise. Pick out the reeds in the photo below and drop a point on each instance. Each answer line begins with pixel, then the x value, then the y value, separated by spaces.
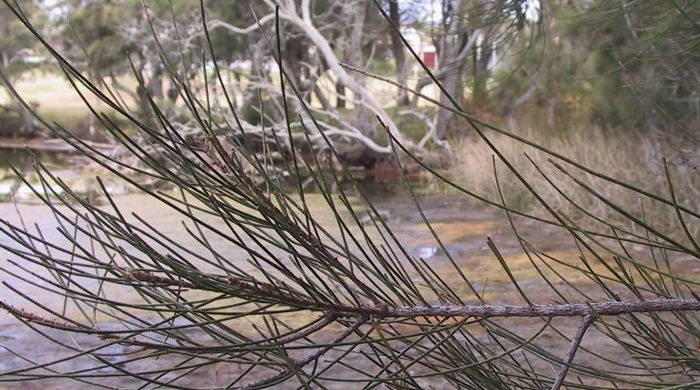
pixel 646 161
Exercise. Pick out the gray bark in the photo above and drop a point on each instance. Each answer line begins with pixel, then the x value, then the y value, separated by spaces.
pixel 450 45
pixel 356 13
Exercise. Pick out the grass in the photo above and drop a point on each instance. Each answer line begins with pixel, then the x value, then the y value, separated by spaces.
pixel 56 101
pixel 633 158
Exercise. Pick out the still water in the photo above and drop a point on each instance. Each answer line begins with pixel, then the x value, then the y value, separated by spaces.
pixel 462 228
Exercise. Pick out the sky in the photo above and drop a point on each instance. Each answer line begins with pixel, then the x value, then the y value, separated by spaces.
pixel 431 10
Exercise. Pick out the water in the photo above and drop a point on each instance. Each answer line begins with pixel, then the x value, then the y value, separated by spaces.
pixel 21 159
pixel 462 228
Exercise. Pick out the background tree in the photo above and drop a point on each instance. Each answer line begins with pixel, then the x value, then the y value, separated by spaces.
pixel 302 18
pixel 114 39
pixel 593 51
pixel 398 51
pixel 467 36
pixel 17 57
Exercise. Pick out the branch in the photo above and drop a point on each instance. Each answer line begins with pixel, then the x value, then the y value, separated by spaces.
pixel 611 308
pixel 326 320
pixel 431 123
pixel 306 25
pixel 215 23
pixel 31 317
pixel 555 310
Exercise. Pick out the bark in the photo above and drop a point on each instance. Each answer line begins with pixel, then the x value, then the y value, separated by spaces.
pixel 356 14
pixel 575 342
pixel 450 47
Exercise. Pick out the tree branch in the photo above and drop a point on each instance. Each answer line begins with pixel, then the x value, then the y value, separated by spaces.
pixel 611 308
pixel 215 23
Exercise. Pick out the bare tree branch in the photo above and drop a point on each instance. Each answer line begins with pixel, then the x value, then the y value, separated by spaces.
pixel 216 23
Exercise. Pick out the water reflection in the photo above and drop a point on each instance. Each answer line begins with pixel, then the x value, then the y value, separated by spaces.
pixel 21 159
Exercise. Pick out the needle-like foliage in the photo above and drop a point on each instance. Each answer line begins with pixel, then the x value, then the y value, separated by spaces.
pixel 339 302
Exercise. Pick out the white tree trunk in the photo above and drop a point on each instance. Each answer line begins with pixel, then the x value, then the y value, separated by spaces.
pixel 288 12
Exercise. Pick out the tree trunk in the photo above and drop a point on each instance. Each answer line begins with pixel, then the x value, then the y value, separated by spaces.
pixel 363 116
pixel 27 128
pixel 26 120
pixel 482 57
pixel 551 107
pixel 397 50
pixel 321 97
pixel 512 111
pixel 450 46
pixel 294 56
pixel 340 92
pixel 453 85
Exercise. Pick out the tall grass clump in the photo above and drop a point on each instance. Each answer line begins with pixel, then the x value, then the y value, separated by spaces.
pixel 642 160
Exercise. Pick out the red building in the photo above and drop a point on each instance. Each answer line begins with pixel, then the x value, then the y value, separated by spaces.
pixel 430 59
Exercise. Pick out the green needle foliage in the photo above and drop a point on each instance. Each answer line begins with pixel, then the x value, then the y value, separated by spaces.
pixel 340 304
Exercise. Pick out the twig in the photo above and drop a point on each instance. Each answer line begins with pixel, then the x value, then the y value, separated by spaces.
pixel 575 342
pixel 155 279
pixel 328 319
pixel 297 365
pixel 31 317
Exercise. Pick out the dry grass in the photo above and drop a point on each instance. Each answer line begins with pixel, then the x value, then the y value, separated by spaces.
pixel 632 158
